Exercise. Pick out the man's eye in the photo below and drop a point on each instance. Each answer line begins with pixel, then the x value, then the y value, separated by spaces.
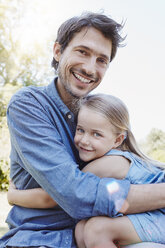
pixel 82 51
pixel 103 61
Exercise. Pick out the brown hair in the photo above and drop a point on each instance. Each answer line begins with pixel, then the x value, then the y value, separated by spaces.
pixel 107 26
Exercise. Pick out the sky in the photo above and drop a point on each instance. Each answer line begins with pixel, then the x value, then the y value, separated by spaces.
pixel 137 74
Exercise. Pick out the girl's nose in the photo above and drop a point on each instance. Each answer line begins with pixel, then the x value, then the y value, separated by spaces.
pixel 85 139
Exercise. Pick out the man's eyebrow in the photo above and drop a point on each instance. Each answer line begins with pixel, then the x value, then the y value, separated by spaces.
pixel 89 49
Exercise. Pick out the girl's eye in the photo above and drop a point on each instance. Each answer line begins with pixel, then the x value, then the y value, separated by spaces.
pixel 97 135
pixel 80 130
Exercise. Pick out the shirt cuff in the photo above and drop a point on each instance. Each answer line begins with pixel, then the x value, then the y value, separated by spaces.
pixel 111 195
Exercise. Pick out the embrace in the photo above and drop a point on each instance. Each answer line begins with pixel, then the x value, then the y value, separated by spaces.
pixel 73 155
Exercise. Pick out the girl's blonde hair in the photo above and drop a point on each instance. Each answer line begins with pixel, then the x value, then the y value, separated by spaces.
pixel 117 114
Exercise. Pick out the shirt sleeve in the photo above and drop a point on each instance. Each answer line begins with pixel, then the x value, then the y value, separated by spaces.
pixel 46 159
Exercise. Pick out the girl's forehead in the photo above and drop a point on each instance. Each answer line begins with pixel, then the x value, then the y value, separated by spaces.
pixel 91 116
pixel 90 112
pixel 86 111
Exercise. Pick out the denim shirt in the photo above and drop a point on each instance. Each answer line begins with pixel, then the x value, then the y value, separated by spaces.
pixel 43 155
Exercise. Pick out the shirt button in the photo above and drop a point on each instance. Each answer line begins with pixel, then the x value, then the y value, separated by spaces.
pixel 69 116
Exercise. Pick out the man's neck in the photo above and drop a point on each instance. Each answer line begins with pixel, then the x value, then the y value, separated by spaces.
pixel 73 104
pixel 70 101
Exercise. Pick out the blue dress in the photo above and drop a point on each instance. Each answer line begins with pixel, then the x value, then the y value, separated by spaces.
pixel 150 226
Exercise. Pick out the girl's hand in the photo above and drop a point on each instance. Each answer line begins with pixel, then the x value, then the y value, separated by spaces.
pixel 29 198
pixel 11 185
pixel 10 192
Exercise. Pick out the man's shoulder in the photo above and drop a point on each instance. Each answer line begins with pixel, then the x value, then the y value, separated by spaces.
pixel 28 92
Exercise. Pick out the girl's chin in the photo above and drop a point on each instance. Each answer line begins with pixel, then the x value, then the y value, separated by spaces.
pixel 86 159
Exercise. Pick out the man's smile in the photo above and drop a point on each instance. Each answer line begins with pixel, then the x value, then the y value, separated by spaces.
pixel 84 78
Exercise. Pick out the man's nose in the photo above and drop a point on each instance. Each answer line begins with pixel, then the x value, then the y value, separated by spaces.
pixel 89 66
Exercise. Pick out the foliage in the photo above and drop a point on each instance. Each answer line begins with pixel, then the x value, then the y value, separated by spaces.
pixel 158 155
pixel 4 155
pixel 4 175
pixel 6 92
pixel 20 63
pixel 2 106
pixel 156 139
pixel 154 146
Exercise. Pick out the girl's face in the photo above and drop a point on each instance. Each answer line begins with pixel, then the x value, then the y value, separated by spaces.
pixel 95 135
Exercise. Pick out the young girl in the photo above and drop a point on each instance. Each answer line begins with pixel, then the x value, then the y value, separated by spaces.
pixel 104 139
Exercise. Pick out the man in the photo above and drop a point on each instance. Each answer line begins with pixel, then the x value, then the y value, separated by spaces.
pixel 42 124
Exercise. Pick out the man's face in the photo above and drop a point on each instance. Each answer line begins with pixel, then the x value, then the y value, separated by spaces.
pixel 82 64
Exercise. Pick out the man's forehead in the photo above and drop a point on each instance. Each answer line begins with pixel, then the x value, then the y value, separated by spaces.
pixel 88 32
pixel 92 38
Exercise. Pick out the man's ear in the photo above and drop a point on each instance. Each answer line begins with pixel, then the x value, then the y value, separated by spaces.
pixel 119 140
pixel 57 51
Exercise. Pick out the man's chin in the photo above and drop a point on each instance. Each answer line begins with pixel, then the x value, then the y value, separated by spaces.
pixel 78 95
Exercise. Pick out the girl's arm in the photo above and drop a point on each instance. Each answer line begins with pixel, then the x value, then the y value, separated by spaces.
pixel 29 198
pixel 117 167
pixel 109 166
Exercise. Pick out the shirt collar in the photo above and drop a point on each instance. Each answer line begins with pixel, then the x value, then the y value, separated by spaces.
pixel 53 93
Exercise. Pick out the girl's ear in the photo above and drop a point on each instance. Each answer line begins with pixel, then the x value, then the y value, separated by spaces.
pixel 57 51
pixel 119 140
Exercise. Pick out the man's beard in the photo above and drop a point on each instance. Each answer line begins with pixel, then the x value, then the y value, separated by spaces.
pixel 74 102
pixel 67 87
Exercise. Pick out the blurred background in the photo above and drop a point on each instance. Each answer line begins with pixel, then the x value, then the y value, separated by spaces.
pixel 137 75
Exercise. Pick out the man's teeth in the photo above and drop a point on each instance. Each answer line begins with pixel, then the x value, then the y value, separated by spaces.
pixel 82 79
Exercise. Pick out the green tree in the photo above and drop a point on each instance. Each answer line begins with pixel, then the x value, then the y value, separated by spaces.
pixel 20 64
pixel 7 44
pixel 6 92
pixel 4 175
pixel 154 146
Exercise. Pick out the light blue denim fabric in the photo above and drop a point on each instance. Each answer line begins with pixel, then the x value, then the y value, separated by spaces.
pixel 145 245
pixel 43 154
pixel 150 226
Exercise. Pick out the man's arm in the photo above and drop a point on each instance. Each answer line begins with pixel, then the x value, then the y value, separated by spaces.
pixel 41 151
pixel 135 202
pixel 142 198
pixel 139 195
